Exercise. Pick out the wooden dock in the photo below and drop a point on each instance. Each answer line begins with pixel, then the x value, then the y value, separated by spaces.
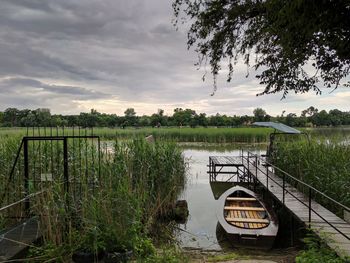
pixel 231 166
pixel 319 219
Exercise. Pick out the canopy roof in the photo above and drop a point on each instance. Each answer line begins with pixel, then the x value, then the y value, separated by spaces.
pixel 278 126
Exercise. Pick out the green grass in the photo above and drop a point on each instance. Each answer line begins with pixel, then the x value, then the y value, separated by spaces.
pixel 174 134
pixel 322 164
pixel 116 209
pixel 211 135
pixel 227 257
pixel 316 250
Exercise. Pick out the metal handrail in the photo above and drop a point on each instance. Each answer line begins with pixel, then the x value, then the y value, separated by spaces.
pixel 250 154
pixel 303 183
pixel 21 200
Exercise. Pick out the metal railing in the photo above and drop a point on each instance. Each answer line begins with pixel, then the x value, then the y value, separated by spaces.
pixel 254 159
pixel 20 187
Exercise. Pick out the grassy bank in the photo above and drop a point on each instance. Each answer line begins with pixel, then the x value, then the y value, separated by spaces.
pixel 211 135
pixel 174 134
pixel 322 164
pixel 112 208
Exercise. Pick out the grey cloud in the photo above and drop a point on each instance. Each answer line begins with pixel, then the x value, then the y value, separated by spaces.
pixel 124 50
pixel 71 17
pixel 20 59
pixel 46 17
pixel 23 85
pixel 130 50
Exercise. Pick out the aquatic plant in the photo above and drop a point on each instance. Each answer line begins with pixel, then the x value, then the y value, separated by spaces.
pixel 316 250
pixel 323 164
pixel 173 134
pixel 109 206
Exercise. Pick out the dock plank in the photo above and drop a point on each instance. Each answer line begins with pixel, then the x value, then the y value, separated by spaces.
pixel 336 241
pixel 294 200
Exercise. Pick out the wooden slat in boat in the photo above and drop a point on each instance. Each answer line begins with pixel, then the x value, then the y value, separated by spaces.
pixel 256 216
pixel 241 199
pixel 253 225
pixel 244 208
pixel 247 220
pixel 237 215
pixel 242 215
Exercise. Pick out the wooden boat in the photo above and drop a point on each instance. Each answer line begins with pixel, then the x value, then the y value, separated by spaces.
pixel 246 220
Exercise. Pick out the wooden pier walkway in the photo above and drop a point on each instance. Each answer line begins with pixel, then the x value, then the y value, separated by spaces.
pixel 318 218
pixel 232 166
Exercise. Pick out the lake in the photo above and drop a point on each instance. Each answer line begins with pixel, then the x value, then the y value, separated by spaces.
pixel 200 229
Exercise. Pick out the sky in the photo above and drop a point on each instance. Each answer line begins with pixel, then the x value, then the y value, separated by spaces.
pixel 75 55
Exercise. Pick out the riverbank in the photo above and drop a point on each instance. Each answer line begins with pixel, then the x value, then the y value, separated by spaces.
pixel 242 256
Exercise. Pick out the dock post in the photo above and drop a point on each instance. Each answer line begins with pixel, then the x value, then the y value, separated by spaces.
pixel 248 158
pixel 26 175
pixel 292 232
pixel 283 188
pixel 256 166
pixel 210 172
pixel 65 164
pixel 310 207
pixel 267 177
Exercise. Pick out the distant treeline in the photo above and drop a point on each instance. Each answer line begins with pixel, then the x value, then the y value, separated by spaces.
pixel 13 117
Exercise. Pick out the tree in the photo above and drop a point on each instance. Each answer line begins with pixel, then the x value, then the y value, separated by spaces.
pixel 309 111
pixel 183 117
pixel 259 114
pixel 201 119
pixel 322 118
pixel 1 118
pixel 10 117
pixel 158 119
pixel 285 37
pixel 43 117
pixel 291 119
pixel 336 117
pixel 130 117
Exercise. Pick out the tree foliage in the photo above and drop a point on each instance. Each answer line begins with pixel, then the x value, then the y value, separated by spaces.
pixel 13 117
pixel 260 115
pixel 296 45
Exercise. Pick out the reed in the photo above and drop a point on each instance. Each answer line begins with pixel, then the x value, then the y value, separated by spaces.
pixel 176 134
pixel 211 135
pixel 323 164
pixel 111 206
pixel 173 134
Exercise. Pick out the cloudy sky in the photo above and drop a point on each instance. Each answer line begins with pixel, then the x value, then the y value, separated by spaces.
pixel 74 55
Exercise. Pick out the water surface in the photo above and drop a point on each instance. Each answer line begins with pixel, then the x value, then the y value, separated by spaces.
pixel 200 229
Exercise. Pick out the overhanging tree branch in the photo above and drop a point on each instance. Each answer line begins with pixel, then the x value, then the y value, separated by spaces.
pixel 287 37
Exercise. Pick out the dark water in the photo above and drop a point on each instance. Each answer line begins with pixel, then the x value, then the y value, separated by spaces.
pixel 200 229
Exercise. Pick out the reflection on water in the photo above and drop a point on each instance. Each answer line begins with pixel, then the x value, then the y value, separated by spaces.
pixel 201 227
pixel 218 188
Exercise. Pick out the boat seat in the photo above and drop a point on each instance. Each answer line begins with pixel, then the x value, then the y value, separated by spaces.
pixel 247 220
pixel 241 199
pixel 244 208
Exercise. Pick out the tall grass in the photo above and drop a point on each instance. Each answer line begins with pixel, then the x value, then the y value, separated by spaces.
pixel 113 209
pixel 211 135
pixel 174 134
pixel 323 164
